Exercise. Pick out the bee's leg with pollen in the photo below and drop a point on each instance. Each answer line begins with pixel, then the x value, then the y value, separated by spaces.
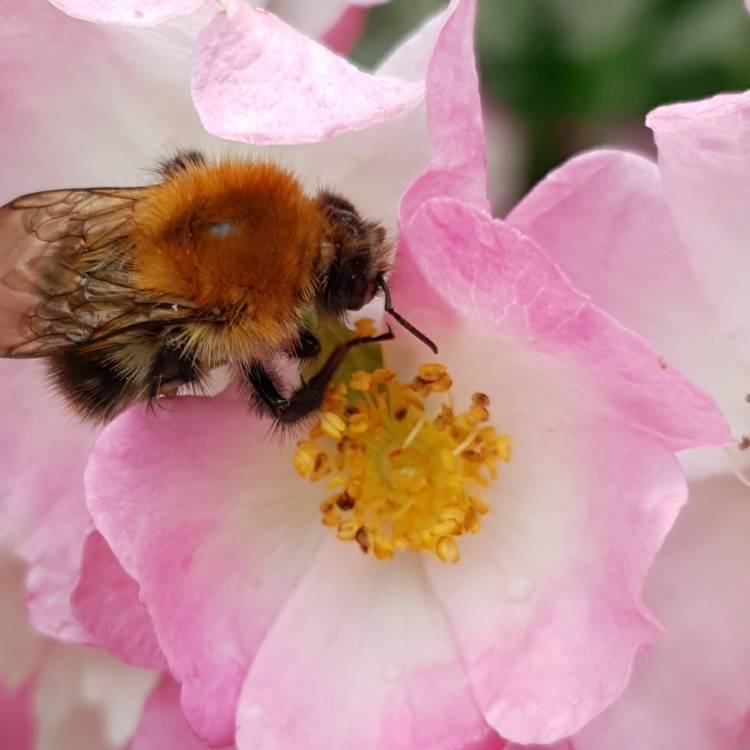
pixel 309 396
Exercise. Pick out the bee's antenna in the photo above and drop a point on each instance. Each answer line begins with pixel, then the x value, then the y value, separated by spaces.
pixel 400 319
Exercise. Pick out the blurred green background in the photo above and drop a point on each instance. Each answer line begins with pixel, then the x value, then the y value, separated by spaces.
pixel 559 76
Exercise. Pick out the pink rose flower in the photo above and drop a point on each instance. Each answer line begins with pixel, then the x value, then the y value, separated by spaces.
pixel 282 634
pixel 59 696
pixel 664 249
pixel 121 97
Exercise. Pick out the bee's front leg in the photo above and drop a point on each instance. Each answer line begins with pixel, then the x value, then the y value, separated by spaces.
pixel 309 396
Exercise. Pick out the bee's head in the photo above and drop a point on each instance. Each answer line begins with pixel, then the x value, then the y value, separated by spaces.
pixel 358 256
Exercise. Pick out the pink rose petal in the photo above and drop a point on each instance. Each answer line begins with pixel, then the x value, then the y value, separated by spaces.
pixel 127 12
pixel 163 725
pixel 585 504
pixel 346 30
pixel 704 153
pixel 17 730
pixel 499 279
pixel 64 696
pixel 692 690
pixel 21 647
pixel 361 656
pixel 105 601
pixel 548 644
pixel 257 80
pixel 86 699
pixel 43 515
pixel 604 219
pixel 458 167
pixel 214 541
pixel 317 19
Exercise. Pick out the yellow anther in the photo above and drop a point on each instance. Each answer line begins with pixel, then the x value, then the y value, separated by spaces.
pixel 480 399
pixel 363 539
pixel 383 375
pixel 431 373
pixel 447 549
pixel 452 512
pixel 480 505
pixel 364 327
pixel 304 458
pixel 403 479
pixel 471 522
pixel 332 425
pixel 444 527
pixel 360 381
pixel 347 530
pixel 432 378
pixel 358 424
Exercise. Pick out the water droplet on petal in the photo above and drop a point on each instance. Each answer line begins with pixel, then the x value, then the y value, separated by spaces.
pixel 519 588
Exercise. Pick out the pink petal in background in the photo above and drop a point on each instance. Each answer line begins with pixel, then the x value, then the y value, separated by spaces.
pixel 43 515
pixel 17 725
pixel 458 166
pixel 163 725
pixel 692 690
pixel 185 522
pixel 105 601
pixel 257 80
pixel 606 221
pixel 342 35
pixel 704 162
pixel 139 13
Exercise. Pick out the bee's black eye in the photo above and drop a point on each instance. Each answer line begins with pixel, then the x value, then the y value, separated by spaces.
pixel 359 292
pixel 348 286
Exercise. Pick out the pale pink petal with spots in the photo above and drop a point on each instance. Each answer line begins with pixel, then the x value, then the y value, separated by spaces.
pixel 127 12
pixel 245 59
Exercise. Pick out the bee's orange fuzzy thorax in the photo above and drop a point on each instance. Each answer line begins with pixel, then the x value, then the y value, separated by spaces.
pixel 240 236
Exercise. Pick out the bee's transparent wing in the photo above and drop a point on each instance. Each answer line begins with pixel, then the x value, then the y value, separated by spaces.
pixel 66 271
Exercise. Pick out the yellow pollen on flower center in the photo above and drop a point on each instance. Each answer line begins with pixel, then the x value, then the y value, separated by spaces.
pixel 405 472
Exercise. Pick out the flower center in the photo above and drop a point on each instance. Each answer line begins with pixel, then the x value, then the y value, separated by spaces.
pixel 406 472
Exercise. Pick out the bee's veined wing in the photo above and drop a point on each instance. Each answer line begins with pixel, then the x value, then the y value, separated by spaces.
pixel 66 271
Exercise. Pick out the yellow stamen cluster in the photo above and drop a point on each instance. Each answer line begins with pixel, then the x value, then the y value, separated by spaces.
pixel 405 472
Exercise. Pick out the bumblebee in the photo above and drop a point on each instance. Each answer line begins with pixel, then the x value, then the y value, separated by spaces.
pixel 130 293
